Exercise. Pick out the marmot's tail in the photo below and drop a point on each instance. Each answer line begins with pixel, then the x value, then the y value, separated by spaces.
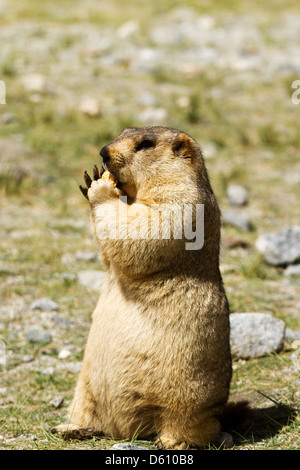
pixel 237 416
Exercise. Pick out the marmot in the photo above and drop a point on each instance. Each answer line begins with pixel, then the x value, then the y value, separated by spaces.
pixel 157 361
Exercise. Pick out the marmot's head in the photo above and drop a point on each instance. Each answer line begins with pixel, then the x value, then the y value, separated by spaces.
pixel 158 157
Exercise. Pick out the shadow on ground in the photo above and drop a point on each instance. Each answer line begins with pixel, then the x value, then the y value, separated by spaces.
pixel 267 423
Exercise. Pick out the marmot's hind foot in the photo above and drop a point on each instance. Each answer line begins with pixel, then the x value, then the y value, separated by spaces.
pixel 170 443
pixel 72 431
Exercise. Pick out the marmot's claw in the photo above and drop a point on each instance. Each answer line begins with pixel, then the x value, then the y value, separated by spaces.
pixel 96 173
pixel 87 179
pixel 84 191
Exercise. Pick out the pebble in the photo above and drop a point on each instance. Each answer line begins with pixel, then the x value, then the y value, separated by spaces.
pixel 36 336
pixel 237 195
pixel 92 279
pixel 292 335
pixel 36 83
pixel 48 371
pixel 280 248
pixel 7 118
pixel 128 29
pixel 153 116
pixel 64 354
pixel 68 277
pixel 292 270
pixel 238 220
pixel 27 358
pixel 62 321
pixel 209 149
pixel 146 99
pixel 86 256
pixel 44 304
pixel 73 367
pixel 126 446
pixel 90 107
pixel 255 334
pixel 57 402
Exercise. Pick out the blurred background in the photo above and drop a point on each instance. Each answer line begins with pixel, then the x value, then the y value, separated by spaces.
pixel 76 73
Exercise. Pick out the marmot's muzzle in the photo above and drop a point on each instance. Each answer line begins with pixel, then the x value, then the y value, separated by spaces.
pixel 104 153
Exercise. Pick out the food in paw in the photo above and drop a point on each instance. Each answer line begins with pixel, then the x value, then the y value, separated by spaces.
pixel 108 176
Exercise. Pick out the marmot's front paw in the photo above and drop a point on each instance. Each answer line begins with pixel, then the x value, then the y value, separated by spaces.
pixel 88 180
pixel 98 189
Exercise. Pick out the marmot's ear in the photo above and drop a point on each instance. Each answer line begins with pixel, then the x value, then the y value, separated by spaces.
pixel 183 146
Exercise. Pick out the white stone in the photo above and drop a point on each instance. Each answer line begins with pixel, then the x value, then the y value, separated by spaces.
pixel 237 195
pixel 127 446
pixel 64 353
pixel 36 83
pixel 292 270
pixel 255 334
pixel 92 279
pixel 44 304
pixel 90 107
pixel 280 248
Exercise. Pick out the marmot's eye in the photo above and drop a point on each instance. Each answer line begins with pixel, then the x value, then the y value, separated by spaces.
pixel 145 144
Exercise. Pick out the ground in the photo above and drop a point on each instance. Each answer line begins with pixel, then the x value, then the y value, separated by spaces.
pixel 222 73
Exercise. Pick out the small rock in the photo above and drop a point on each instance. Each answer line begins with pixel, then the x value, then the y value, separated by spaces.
pixel 127 29
pixel 292 270
pixel 44 304
pixel 92 279
pixel 209 149
pixel 7 118
pixel 126 446
pixel 281 248
pixel 145 60
pixel 255 334
pixel 64 354
pixel 68 278
pixel 48 371
pixel 61 321
pixel 67 258
pixel 73 367
pixel 36 83
pixel 57 402
pixel 90 107
pixel 6 271
pixel 237 195
pixel 86 256
pixel 28 358
pixel 147 99
pixel 292 335
pixel 153 115
pixel 238 220
pixel 7 401
pixel 38 336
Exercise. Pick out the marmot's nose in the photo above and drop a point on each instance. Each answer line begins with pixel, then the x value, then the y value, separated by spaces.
pixel 104 152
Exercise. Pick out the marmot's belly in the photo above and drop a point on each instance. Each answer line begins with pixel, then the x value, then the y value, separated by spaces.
pixel 139 373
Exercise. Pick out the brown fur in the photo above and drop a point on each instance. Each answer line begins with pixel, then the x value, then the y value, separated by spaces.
pixel 157 359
